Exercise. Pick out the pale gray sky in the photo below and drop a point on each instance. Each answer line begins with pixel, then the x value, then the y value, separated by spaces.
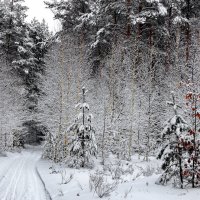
pixel 37 9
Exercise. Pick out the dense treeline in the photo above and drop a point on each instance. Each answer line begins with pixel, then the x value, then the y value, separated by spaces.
pixel 130 55
pixel 150 23
pixel 23 47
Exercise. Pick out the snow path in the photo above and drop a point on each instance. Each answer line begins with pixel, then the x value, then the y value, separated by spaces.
pixel 19 180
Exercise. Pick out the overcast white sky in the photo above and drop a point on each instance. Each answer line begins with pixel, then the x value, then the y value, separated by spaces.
pixel 37 9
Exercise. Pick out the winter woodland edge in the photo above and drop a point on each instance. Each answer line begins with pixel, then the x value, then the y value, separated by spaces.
pixel 130 56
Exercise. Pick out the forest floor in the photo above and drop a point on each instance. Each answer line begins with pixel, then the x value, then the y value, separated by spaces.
pixel 138 185
pixel 24 176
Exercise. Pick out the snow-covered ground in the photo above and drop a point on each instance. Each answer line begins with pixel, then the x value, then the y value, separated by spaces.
pixel 140 185
pixel 24 176
pixel 19 179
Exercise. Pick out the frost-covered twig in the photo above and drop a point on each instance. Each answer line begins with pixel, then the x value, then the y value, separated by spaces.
pixel 64 178
pixel 100 185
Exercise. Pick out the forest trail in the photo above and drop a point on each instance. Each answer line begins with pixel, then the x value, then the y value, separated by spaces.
pixel 19 178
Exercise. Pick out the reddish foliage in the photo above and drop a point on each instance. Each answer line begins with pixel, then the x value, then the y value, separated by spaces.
pixel 198 115
pixel 186 173
pixel 189 96
pixel 191 132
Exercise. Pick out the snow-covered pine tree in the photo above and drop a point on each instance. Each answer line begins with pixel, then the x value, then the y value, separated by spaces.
pixel 14 36
pixel 173 152
pixel 24 47
pixel 106 18
pixel 70 13
pixel 38 35
pixel 83 145
pixel 13 43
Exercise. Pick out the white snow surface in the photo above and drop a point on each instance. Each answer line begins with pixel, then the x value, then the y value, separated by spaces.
pixel 24 176
pixel 19 179
pixel 132 187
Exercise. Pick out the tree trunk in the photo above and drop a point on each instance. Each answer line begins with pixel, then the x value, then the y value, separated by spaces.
pixel 188 33
pixel 128 31
pixel 168 45
pixel 83 133
pixel 180 166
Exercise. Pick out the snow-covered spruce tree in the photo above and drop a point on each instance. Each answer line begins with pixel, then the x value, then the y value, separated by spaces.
pixel 83 145
pixel 13 43
pixel 32 80
pixel 24 48
pixel 173 153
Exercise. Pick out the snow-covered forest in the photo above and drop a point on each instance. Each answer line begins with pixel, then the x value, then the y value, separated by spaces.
pixel 108 107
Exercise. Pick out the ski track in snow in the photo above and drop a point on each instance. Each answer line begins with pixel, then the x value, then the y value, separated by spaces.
pixel 21 180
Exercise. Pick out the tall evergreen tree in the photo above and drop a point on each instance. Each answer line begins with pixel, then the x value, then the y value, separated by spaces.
pixel 39 35
pixel 24 47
